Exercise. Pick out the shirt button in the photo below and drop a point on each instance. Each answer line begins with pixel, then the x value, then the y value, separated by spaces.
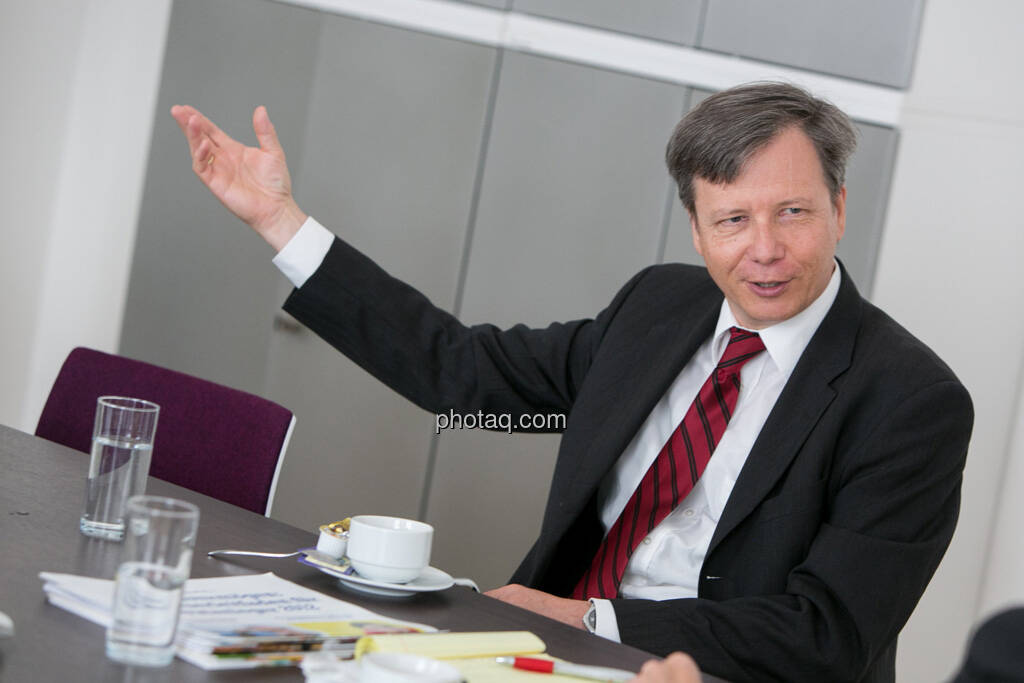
pixel 688 512
pixel 647 540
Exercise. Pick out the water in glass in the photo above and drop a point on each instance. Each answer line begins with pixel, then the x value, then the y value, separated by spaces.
pixel 117 471
pixel 145 615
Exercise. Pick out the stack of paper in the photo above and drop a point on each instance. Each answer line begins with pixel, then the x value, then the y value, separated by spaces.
pixel 237 622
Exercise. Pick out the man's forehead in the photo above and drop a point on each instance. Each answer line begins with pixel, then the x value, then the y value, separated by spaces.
pixel 788 166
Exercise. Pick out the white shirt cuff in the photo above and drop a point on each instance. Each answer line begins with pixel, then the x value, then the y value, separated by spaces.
pixel 305 251
pixel 607 624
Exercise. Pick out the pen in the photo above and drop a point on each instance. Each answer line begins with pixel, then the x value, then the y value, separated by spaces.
pixel 550 666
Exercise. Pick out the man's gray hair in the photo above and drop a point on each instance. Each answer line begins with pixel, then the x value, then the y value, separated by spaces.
pixel 717 137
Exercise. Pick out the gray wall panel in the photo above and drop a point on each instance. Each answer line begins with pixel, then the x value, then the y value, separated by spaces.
pixel 573 192
pixel 871 40
pixel 868 176
pixel 395 125
pixel 201 292
pixel 487 501
pixel 394 133
pixel 675 21
pixel 571 206
pixel 679 242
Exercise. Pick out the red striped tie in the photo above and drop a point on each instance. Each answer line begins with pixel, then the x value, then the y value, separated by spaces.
pixel 675 471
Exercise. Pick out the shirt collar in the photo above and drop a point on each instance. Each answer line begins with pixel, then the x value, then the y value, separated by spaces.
pixel 785 341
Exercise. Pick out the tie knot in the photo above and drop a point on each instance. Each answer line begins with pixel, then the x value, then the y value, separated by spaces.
pixel 743 345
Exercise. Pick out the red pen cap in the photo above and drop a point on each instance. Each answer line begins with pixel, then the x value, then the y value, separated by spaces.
pixel 533 664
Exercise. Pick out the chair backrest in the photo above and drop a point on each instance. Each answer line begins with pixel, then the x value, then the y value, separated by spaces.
pixel 219 441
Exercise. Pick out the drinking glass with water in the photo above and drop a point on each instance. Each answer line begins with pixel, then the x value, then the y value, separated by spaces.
pixel 156 561
pixel 122 446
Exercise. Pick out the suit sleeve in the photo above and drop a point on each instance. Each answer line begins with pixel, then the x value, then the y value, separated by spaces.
pixel 425 354
pixel 886 527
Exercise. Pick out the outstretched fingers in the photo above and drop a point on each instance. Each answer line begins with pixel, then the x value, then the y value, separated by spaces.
pixel 203 158
pixel 265 132
pixel 181 114
pixel 197 128
pixel 251 183
pixel 185 113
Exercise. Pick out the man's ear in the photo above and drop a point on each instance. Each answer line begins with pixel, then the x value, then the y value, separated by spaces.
pixel 840 207
pixel 695 234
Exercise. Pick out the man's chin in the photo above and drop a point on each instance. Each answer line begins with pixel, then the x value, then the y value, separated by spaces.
pixel 757 315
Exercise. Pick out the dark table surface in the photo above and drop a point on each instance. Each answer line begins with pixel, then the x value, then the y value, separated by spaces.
pixel 42 485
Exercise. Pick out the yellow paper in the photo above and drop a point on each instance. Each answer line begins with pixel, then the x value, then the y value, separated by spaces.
pixel 454 645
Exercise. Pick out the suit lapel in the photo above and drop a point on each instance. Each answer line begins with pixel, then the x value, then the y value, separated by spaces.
pixel 798 409
pixel 630 393
pixel 643 378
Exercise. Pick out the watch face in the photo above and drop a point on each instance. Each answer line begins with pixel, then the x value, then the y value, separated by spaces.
pixel 590 618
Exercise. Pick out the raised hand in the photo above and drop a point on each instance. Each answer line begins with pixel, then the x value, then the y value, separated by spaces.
pixel 253 183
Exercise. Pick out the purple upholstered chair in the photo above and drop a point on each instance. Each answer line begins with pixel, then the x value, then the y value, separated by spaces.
pixel 219 441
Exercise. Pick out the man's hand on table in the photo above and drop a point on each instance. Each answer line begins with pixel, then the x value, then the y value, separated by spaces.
pixel 560 609
pixel 677 668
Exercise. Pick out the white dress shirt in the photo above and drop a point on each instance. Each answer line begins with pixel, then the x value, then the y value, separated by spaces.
pixel 667 562
pixel 305 251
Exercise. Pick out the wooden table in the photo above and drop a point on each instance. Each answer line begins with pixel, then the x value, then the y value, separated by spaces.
pixel 42 487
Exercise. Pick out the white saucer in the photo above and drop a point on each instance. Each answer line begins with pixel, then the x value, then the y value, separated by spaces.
pixel 432 579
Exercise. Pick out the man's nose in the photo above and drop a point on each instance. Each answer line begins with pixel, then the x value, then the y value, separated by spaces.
pixel 766 245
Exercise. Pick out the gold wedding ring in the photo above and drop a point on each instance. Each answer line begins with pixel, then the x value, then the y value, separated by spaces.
pixel 210 162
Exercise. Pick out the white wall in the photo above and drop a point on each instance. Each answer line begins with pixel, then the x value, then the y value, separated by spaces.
pixel 38 45
pixel 950 272
pixel 1004 577
pixel 79 84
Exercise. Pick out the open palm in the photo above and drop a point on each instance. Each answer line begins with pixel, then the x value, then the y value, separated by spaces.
pixel 253 183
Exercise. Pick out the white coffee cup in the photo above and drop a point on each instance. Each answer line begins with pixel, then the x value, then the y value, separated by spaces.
pixel 389 549
pixel 395 667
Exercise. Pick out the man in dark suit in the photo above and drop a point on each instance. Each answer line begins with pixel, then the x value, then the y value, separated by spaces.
pixel 800 549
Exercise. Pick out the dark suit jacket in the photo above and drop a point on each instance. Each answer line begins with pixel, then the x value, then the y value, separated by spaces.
pixel 845 505
pixel 996 652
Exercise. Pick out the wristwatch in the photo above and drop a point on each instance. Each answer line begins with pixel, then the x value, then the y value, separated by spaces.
pixel 590 618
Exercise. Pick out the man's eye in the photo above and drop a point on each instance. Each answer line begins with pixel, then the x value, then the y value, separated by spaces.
pixel 734 220
pixel 792 210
